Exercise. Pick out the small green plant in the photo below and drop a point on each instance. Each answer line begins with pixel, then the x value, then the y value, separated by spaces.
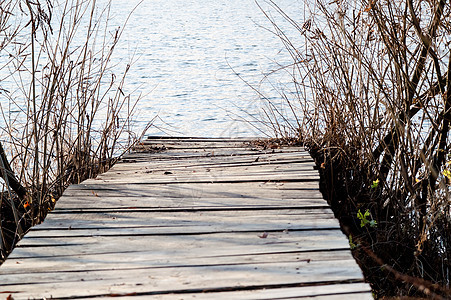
pixel 364 221
pixel 447 173
pixel 352 244
pixel 375 184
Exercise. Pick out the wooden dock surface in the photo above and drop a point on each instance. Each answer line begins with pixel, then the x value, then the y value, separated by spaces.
pixel 190 219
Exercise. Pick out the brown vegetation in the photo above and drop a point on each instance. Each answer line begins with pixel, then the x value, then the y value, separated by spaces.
pixel 66 115
pixel 373 105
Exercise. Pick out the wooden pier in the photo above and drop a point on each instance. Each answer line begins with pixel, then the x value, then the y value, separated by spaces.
pixel 190 219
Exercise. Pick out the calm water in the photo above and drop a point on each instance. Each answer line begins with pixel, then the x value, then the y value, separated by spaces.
pixel 185 55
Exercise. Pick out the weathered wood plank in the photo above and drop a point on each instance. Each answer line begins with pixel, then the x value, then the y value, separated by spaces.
pixel 178 229
pixel 250 168
pixel 266 173
pixel 207 156
pixel 128 222
pixel 217 205
pixel 150 145
pixel 115 227
pixel 217 153
pixel 147 280
pixel 211 165
pixel 206 139
pixel 153 259
pixel 185 245
pixel 331 291
pixel 350 291
pixel 282 272
pixel 282 190
pixel 117 203
pixel 193 178
pixel 183 145
pixel 220 155
pixel 179 178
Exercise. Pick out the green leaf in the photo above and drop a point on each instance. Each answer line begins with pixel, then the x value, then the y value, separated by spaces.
pixel 351 243
pixel 364 219
pixel 375 184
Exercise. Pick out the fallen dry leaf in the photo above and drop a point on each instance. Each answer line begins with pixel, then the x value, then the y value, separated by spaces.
pixel 264 235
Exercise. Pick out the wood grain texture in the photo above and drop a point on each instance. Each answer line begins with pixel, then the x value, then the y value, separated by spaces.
pixel 190 218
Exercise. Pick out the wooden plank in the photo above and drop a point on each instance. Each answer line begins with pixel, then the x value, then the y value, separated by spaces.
pixel 183 145
pixel 152 259
pixel 148 280
pixel 193 143
pixel 264 172
pixel 350 291
pixel 209 164
pixel 190 221
pixel 250 167
pixel 263 155
pixel 331 291
pixel 199 139
pixel 202 144
pixel 117 203
pixel 222 152
pixel 114 225
pixel 303 271
pixel 216 205
pixel 290 173
pixel 174 179
pixel 212 244
pixel 202 153
pixel 134 230
pixel 282 190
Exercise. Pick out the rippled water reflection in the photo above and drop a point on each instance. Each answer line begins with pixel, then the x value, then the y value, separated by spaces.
pixel 186 53
pixel 193 62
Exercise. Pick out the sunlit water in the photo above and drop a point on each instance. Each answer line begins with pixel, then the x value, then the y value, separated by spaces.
pixel 196 65
pixel 187 54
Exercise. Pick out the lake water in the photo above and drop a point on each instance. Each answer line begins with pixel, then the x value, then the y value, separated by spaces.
pixel 185 55
pixel 194 63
